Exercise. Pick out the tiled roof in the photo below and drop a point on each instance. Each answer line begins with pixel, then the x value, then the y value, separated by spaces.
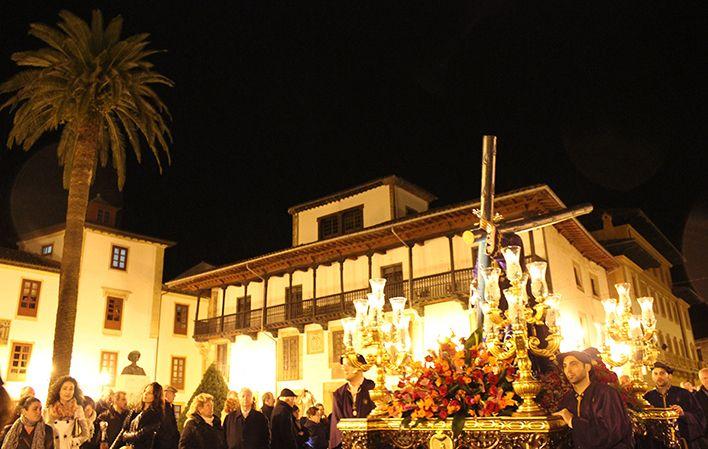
pixel 24 259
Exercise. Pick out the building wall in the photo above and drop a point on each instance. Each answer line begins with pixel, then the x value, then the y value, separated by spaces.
pixel 377 209
pixel 404 198
pixel 35 245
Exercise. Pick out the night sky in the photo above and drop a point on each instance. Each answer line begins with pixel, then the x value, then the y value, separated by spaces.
pixel 280 102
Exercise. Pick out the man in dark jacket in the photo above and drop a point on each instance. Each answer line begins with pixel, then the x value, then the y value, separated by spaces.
pixel 594 411
pixel 282 422
pixel 168 438
pixel 246 428
pixel 316 430
pixel 114 418
pixel 203 429
pixel 701 396
pixel 691 422
pixel 351 400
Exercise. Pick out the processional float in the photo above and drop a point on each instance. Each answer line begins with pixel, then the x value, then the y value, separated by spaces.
pixel 525 326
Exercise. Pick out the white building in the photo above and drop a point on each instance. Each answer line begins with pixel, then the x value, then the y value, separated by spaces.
pixel 121 307
pixel 274 321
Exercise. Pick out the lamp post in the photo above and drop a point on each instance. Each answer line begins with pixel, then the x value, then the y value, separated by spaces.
pixel 382 339
pixel 506 332
pixel 630 338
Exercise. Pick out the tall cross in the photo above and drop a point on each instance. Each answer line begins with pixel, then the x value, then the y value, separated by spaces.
pixel 491 224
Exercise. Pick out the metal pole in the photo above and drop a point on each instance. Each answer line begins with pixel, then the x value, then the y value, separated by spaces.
pixel 486 208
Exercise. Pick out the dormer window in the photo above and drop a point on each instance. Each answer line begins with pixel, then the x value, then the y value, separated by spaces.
pixel 103 216
pixel 47 250
pixel 340 223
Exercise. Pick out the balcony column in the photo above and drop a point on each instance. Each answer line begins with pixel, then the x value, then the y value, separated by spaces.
pixel 223 304
pixel 452 261
pixel 411 295
pixel 370 256
pixel 264 314
pixel 341 284
pixel 288 297
pixel 314 290
pixel 199 300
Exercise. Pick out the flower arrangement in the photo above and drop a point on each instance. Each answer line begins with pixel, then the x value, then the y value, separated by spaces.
pixel 461 379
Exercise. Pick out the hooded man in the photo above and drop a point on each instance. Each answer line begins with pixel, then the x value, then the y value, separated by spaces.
pixel 283 434
pixel 351 400
pixel 594 411
pixel 691 421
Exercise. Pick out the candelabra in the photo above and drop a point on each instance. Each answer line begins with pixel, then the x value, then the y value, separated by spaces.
pixel 506 333
pixel 383 340
pixel 630 338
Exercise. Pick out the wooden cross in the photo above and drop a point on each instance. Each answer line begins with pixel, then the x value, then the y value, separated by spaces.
pixel 491 224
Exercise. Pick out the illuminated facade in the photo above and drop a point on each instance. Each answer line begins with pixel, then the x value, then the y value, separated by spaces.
pixel 274 321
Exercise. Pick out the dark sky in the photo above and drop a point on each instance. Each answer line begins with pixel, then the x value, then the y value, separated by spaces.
pixel 279 102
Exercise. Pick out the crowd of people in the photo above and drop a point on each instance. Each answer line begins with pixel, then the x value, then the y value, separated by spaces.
pixel 71 420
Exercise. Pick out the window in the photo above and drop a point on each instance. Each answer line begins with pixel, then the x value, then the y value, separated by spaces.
pixel 119 258
pixel 594 286
pixel 178 410
pixel 337 346
pixel 109 365
pixel 29 298
pixel 181 314
pixel 47 250
pixel 243 310
pixel 394 280
pixel 290 366
pixel 340 223
pixel 222 360
pixel 410 211
pixel 19 361
pixel 177 372
pixel 293 302
pixel 578 277
pixel 114 313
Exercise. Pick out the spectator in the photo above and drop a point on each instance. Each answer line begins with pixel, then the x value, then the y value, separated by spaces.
pixel 29 431
pixel 142 425
pixel 65 414
pixel 316 430
pixel 5 405
pixel 202 430
pixel 300 432
pixel 90 413
pixel 114 419
pixel 268 403
pixel 169 434
pixel 231 404
pixel 282 422
pixel 246 428
pixel 105 401
pixel 27 391
pixel 688 386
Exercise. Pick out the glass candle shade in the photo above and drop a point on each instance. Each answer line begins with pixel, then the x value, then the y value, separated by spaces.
pixel 511 257
pixel 349 327
pixel 377 285
pixel 492 293
pixel 624 304
pixel 552 309
pixel 537 271
pixel 635 327
pixel 398 304
pixel 646 303
pixel 514 302
pixel 610 306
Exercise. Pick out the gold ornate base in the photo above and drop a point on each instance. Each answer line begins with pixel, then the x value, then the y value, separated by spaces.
pixel 480 433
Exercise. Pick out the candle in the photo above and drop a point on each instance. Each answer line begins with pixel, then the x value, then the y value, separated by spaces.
pixel 511 257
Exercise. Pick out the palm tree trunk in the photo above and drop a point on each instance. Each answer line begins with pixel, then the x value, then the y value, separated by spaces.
pixel 79 186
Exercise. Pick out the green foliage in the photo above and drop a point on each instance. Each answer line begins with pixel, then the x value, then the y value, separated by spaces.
pixel 214 384
pixel 94 86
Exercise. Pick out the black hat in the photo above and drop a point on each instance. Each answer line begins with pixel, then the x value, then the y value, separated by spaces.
pixel 580 355
pixel 287 393
pixel 593 352
pixel 663 366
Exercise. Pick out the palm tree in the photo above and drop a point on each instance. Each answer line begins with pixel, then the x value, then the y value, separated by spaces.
pixel 97 89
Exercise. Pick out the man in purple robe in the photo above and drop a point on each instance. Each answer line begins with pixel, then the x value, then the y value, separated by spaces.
pixel 691 421
pixel 351 400
pixel 594 411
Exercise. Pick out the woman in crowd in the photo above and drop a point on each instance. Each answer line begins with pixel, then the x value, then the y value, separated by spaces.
pixel 202 430
pixel 29 430
pixel 65 414
pixel 141 427
pixel 231 404
pixel 5 405
pixel 90 413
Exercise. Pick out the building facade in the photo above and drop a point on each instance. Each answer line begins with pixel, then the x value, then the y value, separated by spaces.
pixel 274 321
pixel 121 307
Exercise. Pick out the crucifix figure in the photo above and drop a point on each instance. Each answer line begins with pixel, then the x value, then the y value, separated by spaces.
pixel 491 225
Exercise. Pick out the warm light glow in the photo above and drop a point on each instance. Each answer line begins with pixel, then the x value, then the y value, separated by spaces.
pixel 572 333
pixel 492 293
pixel 537 270
pixel 625 301
pixel 252 364
pixel 511 257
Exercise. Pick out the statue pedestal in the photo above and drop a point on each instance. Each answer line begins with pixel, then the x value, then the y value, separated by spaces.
pixel 133 385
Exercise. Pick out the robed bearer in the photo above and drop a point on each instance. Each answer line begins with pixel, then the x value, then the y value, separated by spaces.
pixel 351 400
pixel 691 421
pixel 594 411
pixel 245 427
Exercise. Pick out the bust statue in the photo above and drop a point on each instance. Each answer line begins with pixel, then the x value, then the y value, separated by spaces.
pixel 133 368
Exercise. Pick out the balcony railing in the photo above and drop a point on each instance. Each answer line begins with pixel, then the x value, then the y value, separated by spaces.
pixel 426 289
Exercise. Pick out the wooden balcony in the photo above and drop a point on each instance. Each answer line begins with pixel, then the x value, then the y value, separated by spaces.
pixel 426 290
